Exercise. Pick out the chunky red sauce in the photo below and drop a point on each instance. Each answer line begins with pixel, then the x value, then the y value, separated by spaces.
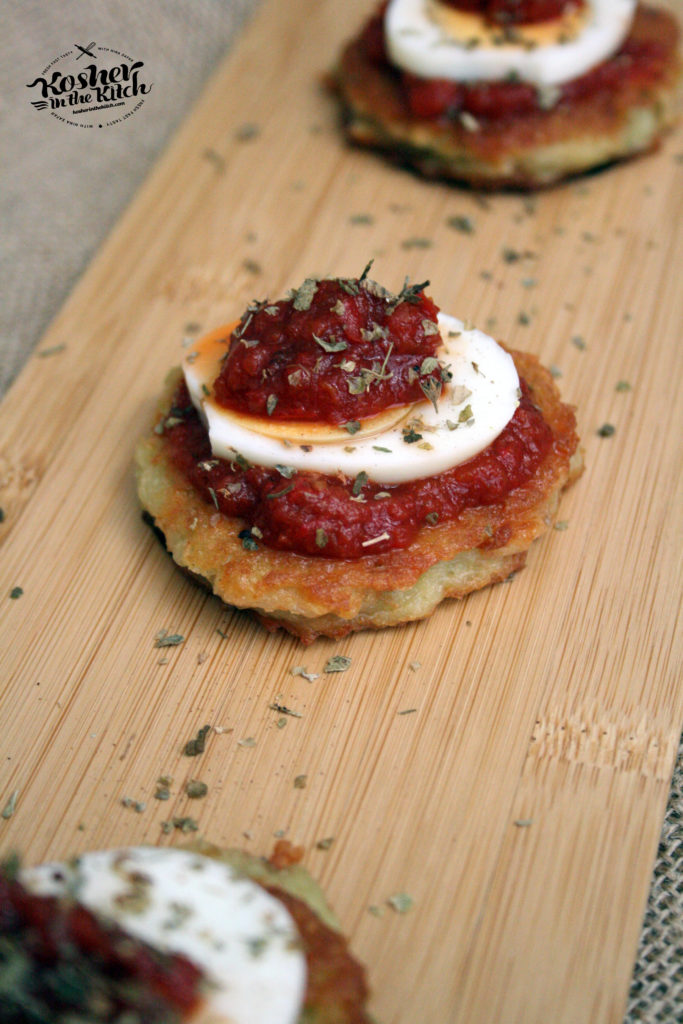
pixel 315 514
pixel 642 59
pixel 515 12
pixel 335 351
pixel 66 964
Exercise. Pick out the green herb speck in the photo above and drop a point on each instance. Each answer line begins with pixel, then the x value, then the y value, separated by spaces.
pixel 196 790
pixel 337 663
pixel 197 746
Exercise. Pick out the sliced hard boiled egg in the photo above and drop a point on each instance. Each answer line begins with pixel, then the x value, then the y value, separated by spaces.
pixel 405 443
pixel 432 40
pixel 240 936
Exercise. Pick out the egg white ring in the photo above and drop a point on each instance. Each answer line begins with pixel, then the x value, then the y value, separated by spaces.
pixel 416 43
pixel 243 938
pixel 482 371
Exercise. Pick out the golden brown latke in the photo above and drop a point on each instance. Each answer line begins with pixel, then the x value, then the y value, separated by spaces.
pixel 315 596
pixel 527 150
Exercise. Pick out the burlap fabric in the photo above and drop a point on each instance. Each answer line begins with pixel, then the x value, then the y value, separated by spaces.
pixel 60 195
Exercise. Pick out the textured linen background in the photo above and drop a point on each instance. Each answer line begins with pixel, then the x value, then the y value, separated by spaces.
pixel 59 197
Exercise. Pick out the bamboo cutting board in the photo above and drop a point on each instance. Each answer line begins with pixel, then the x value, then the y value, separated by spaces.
pixel 506 763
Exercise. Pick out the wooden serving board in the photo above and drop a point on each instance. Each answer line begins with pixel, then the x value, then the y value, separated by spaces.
pixel 506 763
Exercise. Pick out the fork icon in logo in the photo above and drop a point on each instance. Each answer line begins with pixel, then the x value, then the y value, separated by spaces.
pixel 84 50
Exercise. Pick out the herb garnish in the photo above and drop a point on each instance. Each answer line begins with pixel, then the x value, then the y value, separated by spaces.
pixel 16 592
pixel 284 710
pixel 359 482
pixel 303 296
pixel 331 345
pixel 166 639
pixel 197 746
pixel 337 663
pixel 248 540
pixel 461 223
pixel 410 435
pixel 301 670
pixel 196 790
pixel 184 824
pixel 11 805
pixel 280 494
pixel 401 902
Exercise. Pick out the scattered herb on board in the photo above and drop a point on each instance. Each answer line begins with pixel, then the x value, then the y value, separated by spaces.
pixel 416 243
pixel 197 745
pixel 135 805
pixel 163 791
pixel 247 131
pixel 300 781
pixel 53 350
pixel 166 639
pixel 622 385
pixel 401 902
pixel 16 592
pixel 561 524
pixel 337 663
pixel 196 790
pixel 252 266
pixel 579 342
pixel 284 710
pixel 461 223
pixel 523 318
pixel 324 844
pixel 606 430
pixel 361 218
pixel 184 825
pixel 523 822
pixel 11 805
pixel 216 159
pixel 2 513
pixel 407 711
pixel 301 670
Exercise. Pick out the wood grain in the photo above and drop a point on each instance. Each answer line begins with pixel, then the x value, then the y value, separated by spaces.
pixel 505 763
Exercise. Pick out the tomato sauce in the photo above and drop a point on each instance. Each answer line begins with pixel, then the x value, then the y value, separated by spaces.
pixel 334 517
pixel 515 12
pixel 68 962
pixel 643 60
pixel 336 351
